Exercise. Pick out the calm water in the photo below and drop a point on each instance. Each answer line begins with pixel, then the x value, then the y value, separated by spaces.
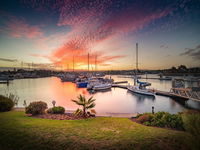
pixel 114 101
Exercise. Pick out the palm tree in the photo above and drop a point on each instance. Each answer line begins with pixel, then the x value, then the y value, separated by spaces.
pixel 86 104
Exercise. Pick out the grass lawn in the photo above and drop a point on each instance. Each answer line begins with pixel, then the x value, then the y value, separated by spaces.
pixel 19 132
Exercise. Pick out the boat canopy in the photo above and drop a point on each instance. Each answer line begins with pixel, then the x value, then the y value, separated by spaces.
pixel 143 83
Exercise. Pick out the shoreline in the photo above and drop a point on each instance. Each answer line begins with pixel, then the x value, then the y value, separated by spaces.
pixel 106 114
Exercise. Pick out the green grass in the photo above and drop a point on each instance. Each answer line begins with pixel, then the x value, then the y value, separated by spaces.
pixel 17 131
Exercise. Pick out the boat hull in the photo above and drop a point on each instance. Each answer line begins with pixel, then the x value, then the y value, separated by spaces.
pixel 143 92
pixel 100 88
pixel 82 84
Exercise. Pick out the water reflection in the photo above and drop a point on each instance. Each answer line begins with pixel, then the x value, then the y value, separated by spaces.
pixel 140 98
pixel 115 100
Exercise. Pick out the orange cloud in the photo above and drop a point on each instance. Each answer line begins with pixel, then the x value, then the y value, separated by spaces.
pixel 97 21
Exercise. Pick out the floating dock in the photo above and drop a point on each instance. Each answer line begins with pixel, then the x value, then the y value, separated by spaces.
pixel 4 82
pixel 120 86
pixel 179 93
pixel 120 82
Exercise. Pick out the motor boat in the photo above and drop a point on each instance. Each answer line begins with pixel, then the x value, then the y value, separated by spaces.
pixel 103 86
pixel 92 83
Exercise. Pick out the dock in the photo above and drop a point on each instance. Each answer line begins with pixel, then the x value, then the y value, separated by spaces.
pixel 120 86
pixel 162 93
pixel 178 93
pixel 4 82
pixel 120 82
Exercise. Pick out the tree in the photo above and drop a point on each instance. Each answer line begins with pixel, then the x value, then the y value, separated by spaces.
pixel 182 68
pixel 86 104
pixel 173 69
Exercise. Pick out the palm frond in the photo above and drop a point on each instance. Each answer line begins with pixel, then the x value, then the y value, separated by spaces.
pixel 91 106
pixel 77 102
pixel 91 100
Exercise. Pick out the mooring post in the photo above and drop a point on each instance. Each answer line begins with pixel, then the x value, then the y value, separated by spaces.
pixel 152 109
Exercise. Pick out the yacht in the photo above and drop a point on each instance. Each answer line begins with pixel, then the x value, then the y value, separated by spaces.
pixel 140 87
pixel 103 86
pixel 141 90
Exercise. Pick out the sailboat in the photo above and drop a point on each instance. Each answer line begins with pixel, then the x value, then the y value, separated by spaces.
pixel 102 86
pixel 140 87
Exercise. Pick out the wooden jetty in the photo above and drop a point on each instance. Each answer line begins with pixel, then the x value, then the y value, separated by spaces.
pixel 120 82
pixel 4 82
pixel 120 86
pixel 180 93
pixel 186 93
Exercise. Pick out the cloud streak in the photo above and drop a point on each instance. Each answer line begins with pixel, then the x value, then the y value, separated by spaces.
pixel 194 53
pixel 8 60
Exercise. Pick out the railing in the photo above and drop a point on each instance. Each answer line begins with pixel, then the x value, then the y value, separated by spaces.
pixel 186 93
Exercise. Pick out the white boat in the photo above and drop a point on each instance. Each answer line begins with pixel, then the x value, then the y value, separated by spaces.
pixel 92 83
pixel 104 86
pixel 141 88
pixel 143 91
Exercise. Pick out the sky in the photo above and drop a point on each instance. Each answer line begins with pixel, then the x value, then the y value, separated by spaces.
pixel 52 33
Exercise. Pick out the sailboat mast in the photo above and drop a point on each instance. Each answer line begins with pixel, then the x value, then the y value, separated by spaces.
pixel 96 63
pixel 135 78
pixel 88 62
pixel 136 57
pixel 73 63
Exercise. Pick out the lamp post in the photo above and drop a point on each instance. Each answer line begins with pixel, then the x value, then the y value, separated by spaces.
pixel 54 103
pixel 152 109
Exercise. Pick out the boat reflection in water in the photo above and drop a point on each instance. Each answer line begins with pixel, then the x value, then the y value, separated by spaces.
pixel 115 100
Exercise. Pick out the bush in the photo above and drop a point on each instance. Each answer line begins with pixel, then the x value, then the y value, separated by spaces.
pixel 13 97
pixel 191 122
pixel 162 119
pixel 56 110
pixel 144 118
pixel 36 108
pixel 6 104
pixel 50 111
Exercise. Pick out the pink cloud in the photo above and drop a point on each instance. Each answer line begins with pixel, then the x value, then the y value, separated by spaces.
pixel 18 28
pixel 93 22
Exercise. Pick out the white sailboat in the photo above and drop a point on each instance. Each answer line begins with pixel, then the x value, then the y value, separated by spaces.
pixel 139 90
pixel 103 86
pixel 140 87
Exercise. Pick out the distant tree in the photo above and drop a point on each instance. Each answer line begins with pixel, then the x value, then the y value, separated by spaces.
pixel 182 68
pixel 173 69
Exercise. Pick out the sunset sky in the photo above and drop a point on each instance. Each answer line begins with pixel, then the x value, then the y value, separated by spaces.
pixel 48 33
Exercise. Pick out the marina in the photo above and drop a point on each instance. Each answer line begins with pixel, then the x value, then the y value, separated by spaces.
pixel 125 102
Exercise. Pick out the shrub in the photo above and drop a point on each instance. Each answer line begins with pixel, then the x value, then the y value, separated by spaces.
pixel 6 104
pixel 13 97
pixel 191 122
pixel 145 118
pixel 50 111
pixel 162 119
pixel 56 110
pixel 36 108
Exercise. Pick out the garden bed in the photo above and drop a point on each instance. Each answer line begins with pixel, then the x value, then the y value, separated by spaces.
pixel 66 116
